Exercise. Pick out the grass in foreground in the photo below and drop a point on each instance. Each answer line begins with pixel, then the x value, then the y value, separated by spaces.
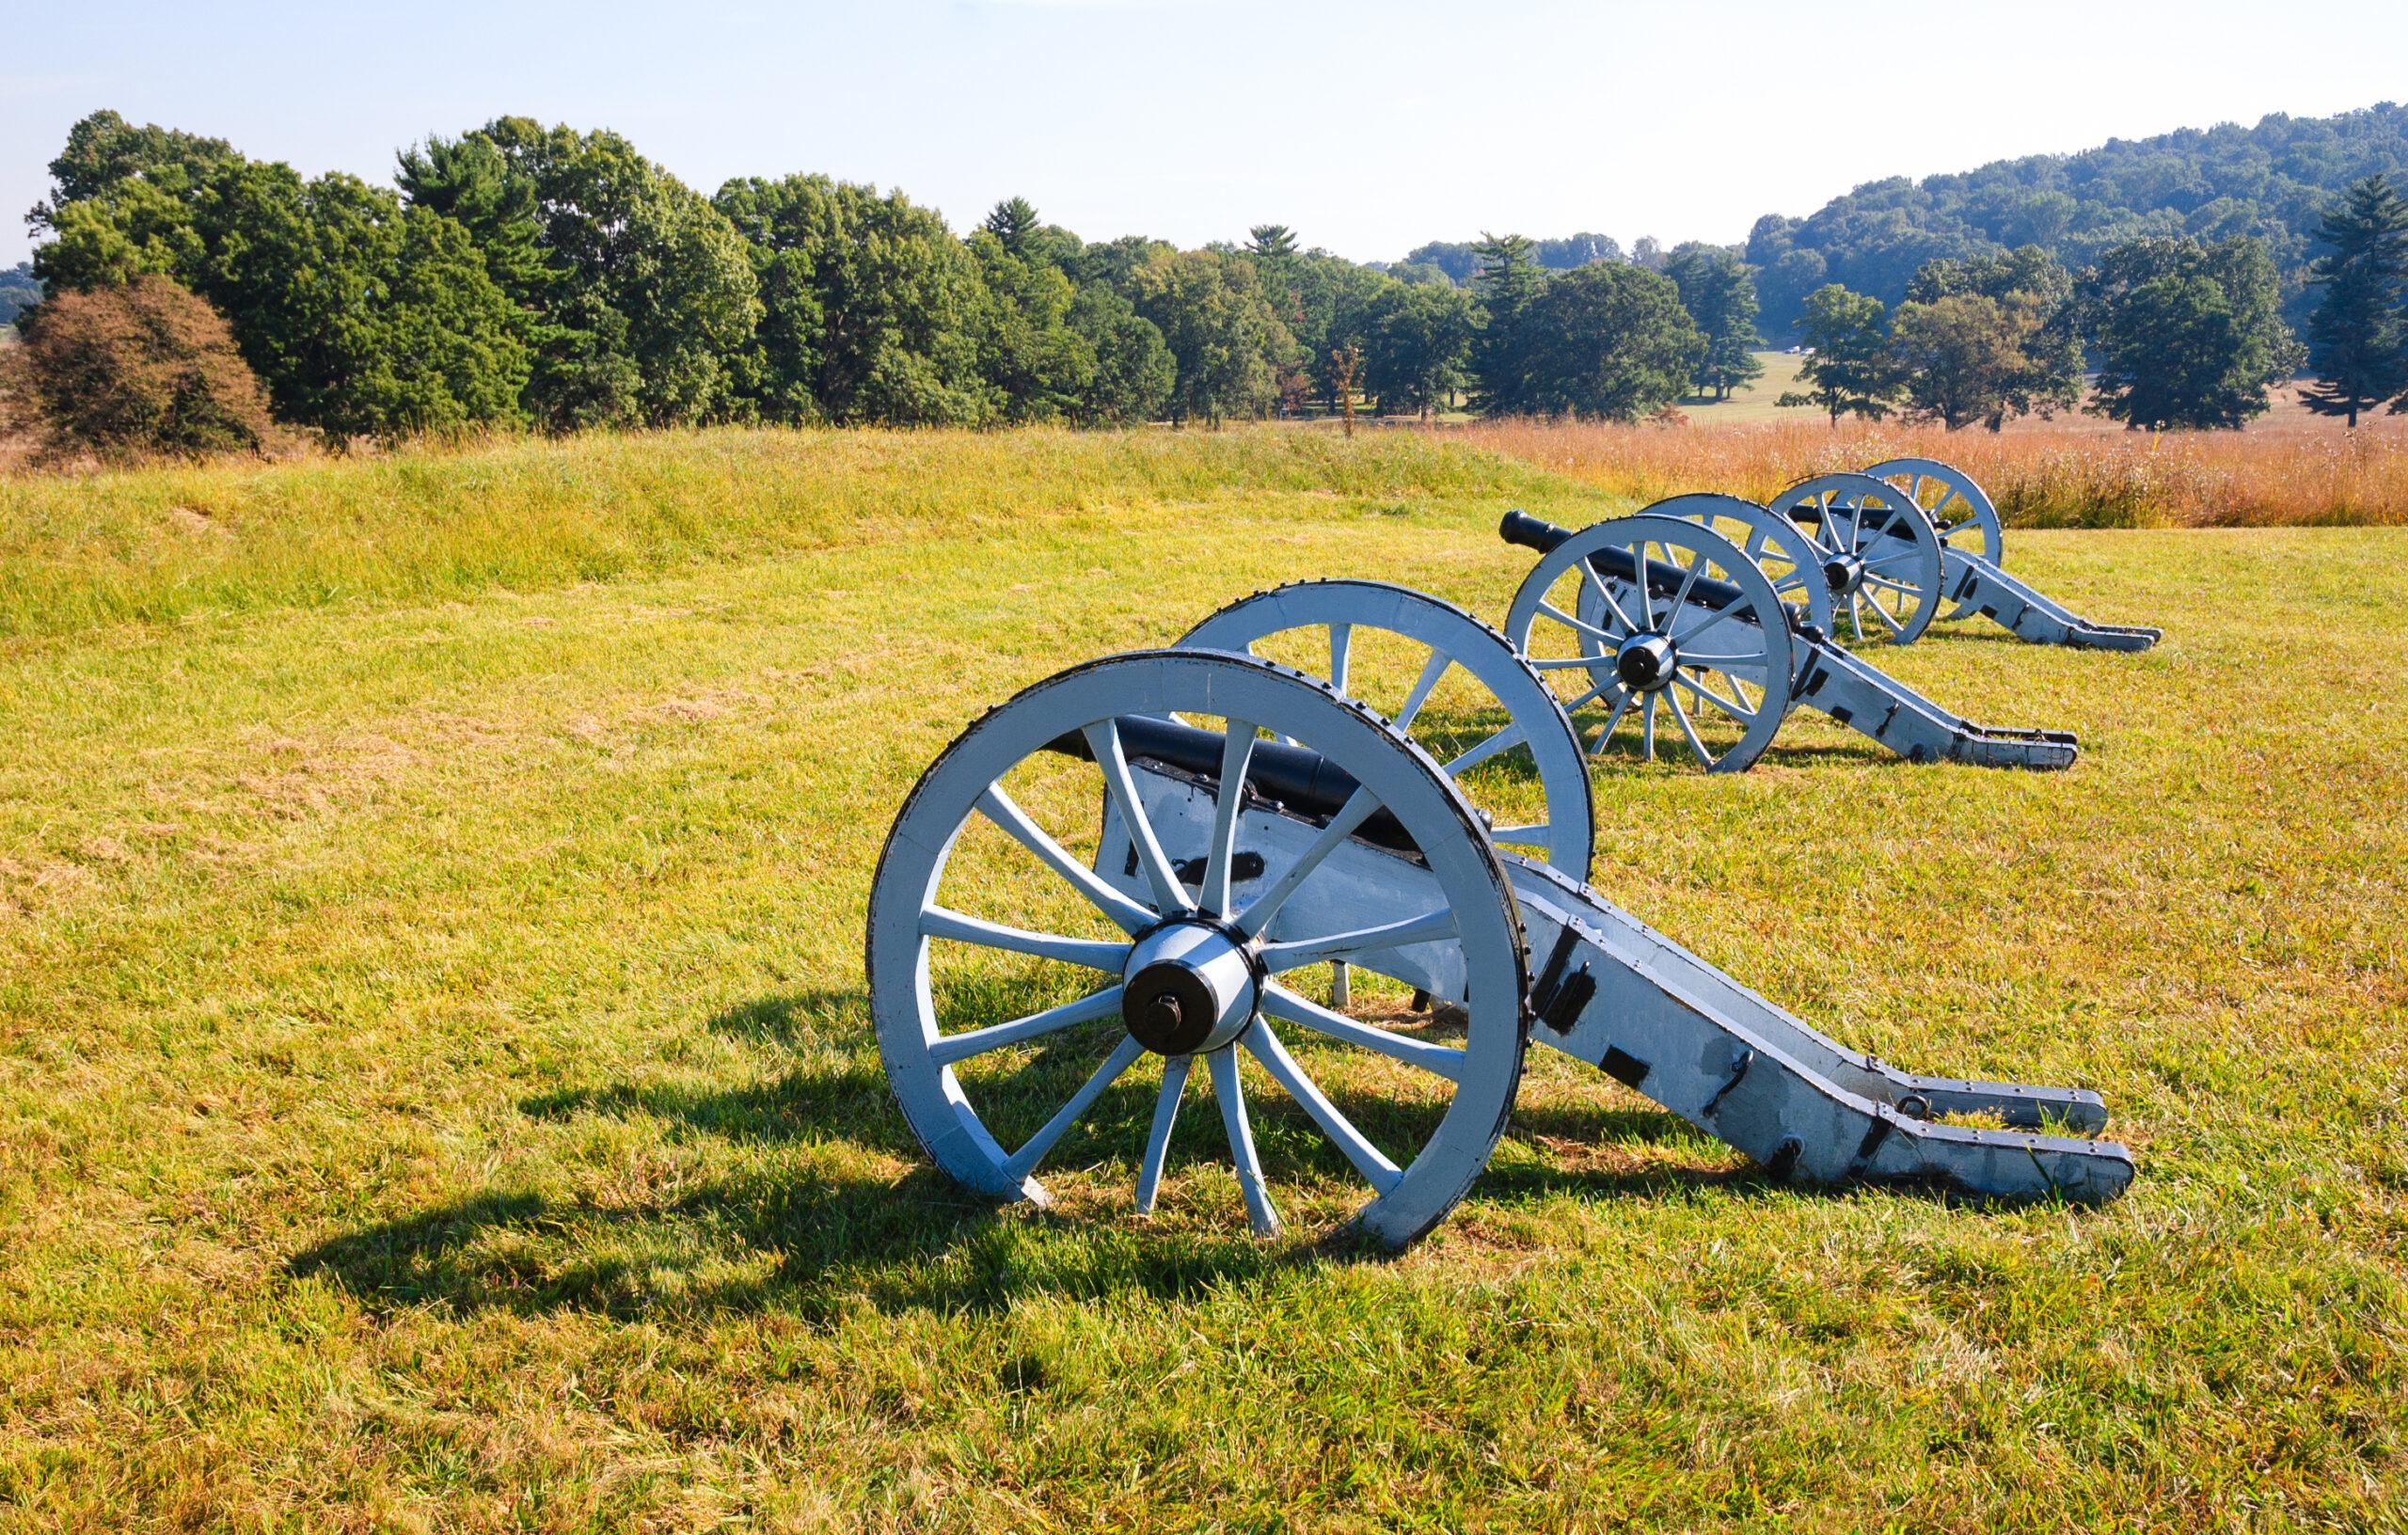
pixel 434 1089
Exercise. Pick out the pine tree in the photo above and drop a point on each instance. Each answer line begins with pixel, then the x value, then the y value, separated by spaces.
pixel 1508 283
pixel 2357 338
pixel 1721 298
pixel 1012 221
pixel 1272 241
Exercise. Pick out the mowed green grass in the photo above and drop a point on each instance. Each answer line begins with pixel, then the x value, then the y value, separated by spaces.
pixel 1759 401
pixel 436 1090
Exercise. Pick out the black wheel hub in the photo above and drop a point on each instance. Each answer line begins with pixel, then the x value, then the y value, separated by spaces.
pixel 1842 574
pixel 1199 987
pixel 1645 662
pixel 1168 1010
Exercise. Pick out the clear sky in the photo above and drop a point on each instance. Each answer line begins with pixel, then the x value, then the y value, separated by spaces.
pixel 1369 128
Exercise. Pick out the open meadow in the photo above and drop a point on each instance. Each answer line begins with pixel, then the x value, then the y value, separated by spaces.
pixel 436 1091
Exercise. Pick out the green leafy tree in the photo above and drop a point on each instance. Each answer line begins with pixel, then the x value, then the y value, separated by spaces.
pixel 2035 295
pixel 1330 305
pixel 1961 356
pixel 122 201
pixel 1027 349
pixel 873 312
pixel 1135 372
pixel 114 236
pixel 1608 341
pixel 1507 281
pixel 1419 351
pixel 646 295
pixel 105 152
pixel 2187 334
pixel 1114 263
pixel 1848 369
pixel 1721 299
pixel 1222 333
pixel 2357 342
pixel 361 316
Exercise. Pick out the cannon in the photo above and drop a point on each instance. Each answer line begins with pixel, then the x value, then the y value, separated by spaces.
pixel 1027 952
pixel 1973 579
pixel 1658 614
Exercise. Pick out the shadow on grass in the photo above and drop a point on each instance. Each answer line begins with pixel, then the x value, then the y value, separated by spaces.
pixel 1973 630
pixel 817 1219
pixel 1675 760
pixel 818 1222
pixel 787 1018
pixel 777 1239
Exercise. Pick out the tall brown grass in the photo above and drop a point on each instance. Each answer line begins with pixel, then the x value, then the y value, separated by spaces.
pixel 2294 472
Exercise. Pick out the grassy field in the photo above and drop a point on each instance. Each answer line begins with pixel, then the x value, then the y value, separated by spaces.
pixel 436 1090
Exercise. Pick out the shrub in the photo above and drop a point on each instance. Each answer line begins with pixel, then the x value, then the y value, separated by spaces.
pixel 143 368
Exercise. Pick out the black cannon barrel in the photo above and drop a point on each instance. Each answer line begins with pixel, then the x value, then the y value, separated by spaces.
pixel 1664 580
pixel 1299 778
pixel 1531 533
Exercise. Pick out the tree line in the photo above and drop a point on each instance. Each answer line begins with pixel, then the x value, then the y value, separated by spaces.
pixel 518 276
pixel 2173 331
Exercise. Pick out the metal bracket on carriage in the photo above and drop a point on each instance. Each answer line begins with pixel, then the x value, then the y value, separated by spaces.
pixel 1842 686
pixel 1869 701
pixel 2034 615
pixel 1625 998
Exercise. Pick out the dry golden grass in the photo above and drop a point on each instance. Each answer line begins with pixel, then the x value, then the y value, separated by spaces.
pixel 2293 470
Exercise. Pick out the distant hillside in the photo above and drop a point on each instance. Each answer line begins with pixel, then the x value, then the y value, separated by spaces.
pixel 1456 259
pixel 2272 180
pixel 18 291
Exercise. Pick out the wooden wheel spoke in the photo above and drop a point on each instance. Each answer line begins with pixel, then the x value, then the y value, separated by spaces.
pixel 1231 1096
pixel 1429 927
pixel 1377 1170
pixel 1438 1060
pixel 998 807
pixel 954 1047
pixel 1023 1162
pixel 1095 954
pixel 1104 739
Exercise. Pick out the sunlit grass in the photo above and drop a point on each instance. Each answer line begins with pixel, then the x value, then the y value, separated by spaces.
pixel 436 1089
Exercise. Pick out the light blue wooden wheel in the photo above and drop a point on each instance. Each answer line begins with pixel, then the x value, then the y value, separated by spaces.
pixel 1235 945
pixel 1881 559
pixel 1662 627
pixel 1961 510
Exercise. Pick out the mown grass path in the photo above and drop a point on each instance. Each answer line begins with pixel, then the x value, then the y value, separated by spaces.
pixel 436 1093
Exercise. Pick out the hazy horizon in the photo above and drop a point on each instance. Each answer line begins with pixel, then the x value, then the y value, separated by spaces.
pixel 1191 122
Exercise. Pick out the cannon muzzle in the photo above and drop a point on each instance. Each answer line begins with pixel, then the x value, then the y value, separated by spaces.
pixel 1531 533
